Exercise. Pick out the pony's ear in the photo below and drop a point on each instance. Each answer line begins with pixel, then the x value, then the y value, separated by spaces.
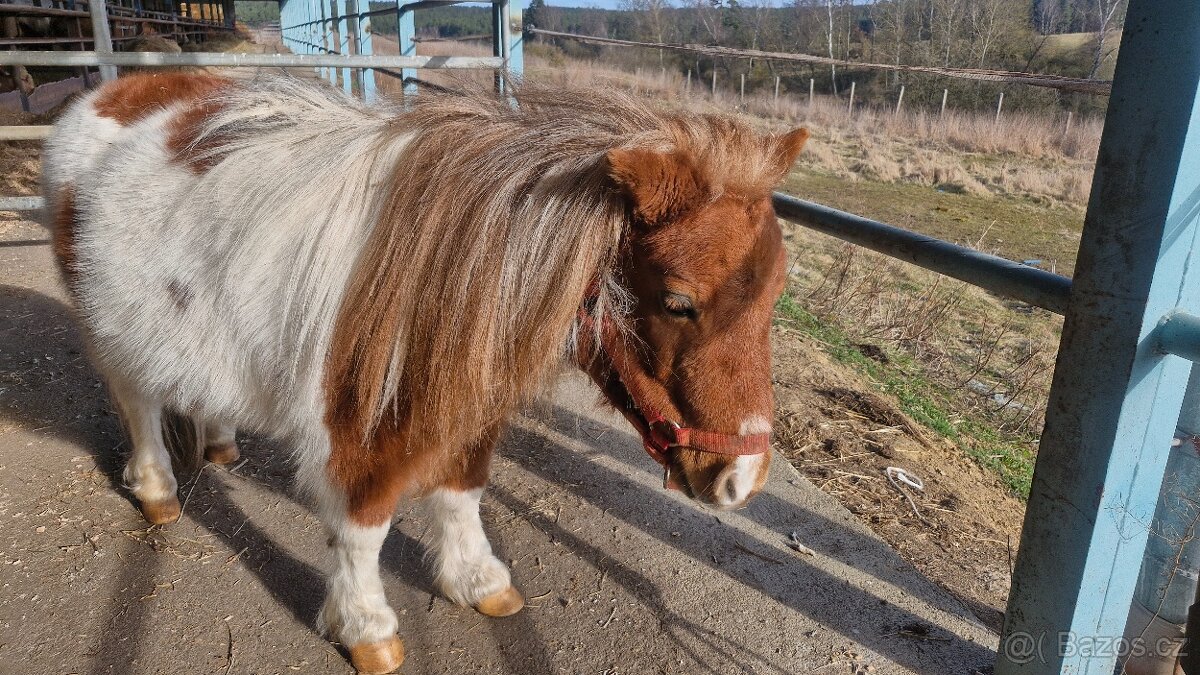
pixel 659 185
pixel 786 148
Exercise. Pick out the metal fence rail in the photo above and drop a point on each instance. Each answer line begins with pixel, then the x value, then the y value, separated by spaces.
pixel 338 45
pixel 216 59
pixel 998 275
pixel 343 27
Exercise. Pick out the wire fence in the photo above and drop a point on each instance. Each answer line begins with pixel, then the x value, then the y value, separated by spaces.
pixel 1080 85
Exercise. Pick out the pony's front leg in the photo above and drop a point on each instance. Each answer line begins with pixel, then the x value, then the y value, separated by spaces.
pixel 356 612
pixel 465 568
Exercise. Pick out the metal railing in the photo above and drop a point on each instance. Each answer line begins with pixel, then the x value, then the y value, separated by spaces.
pixel 337 45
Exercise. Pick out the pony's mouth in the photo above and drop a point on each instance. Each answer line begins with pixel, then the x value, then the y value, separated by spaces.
pixel 674 478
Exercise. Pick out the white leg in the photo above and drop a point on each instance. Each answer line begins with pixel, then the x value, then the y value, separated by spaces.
pixel 356 610
pixel 220 444
pixel 148 473
pixel 464 566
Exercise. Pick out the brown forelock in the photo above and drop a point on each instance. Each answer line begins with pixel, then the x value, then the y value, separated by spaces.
pixel 64 236
pixel 136 97
pixel 498 221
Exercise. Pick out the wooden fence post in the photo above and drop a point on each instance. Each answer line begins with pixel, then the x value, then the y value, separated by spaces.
pixel 945 95
pixel 688 87
pixel 899 100
pixel 1067 130
pixel 714 82
pixel 850 110
pixel 812 85
pixel 776 101
pixel 742 95
pixel 999 107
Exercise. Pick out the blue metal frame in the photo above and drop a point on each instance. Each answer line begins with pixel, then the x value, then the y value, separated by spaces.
pixel 406 30
pixel 1116 396
pixel 343 41
pixel 366 75
pixel 343 27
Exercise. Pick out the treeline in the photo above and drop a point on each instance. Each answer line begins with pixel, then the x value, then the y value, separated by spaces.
pixel 447 22
pixel 996 34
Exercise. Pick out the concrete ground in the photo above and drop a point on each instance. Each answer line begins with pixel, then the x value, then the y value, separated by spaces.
pixel 620 575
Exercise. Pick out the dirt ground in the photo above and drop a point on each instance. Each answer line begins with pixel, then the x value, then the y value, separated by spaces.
pixel 961 529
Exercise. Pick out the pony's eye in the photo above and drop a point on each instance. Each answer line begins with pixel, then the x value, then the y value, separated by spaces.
pixel 678 304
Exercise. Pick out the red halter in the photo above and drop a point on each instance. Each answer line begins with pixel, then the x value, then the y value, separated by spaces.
pixel 660 434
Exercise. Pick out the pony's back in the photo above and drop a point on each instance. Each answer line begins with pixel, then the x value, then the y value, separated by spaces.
pixel 207 231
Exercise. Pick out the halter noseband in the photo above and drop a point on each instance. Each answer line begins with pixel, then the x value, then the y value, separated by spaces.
pixel 660 434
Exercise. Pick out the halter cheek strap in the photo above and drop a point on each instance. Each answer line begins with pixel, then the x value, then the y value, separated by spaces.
pixel 660 434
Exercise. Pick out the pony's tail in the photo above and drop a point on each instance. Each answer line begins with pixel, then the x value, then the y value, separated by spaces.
pixel 185 441
pixel 183 438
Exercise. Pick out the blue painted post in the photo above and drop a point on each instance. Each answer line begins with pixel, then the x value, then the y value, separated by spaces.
pixel 499 43
pixel 332 38
pixel 310 27
pixel 406 30
pixel 327 43
pixel 516 48
pixel 1115 398
pixel 366 75
pixel 343 26
pixel 314 28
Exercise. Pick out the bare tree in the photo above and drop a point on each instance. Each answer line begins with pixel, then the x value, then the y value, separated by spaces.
pixel 1108 18
pixel 651 17
pixel 829 34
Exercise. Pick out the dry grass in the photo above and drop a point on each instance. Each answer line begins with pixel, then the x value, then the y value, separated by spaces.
pixel 972 367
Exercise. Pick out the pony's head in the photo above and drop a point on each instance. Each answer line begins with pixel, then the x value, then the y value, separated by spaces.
pixel 703 262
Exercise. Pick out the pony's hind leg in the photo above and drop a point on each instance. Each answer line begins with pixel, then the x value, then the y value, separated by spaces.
pixel 148 473
pixel 220 443
pixel 465 568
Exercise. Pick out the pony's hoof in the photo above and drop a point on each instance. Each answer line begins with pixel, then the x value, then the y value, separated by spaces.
pixel 162 512
pixel 501 603
pixel 372 658
pixel 226 453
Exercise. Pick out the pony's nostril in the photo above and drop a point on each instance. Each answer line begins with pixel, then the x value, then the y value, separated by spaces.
pixel 731 490
pixel 737 481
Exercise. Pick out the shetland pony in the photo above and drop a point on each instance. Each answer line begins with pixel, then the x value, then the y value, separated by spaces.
pixel 381 288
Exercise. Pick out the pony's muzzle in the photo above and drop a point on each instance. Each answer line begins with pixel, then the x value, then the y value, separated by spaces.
pixel 740 480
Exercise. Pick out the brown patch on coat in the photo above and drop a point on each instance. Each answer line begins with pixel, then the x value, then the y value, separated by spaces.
pixel 185 142
pixel 180 294
pixel 64 219
pixel 136 97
